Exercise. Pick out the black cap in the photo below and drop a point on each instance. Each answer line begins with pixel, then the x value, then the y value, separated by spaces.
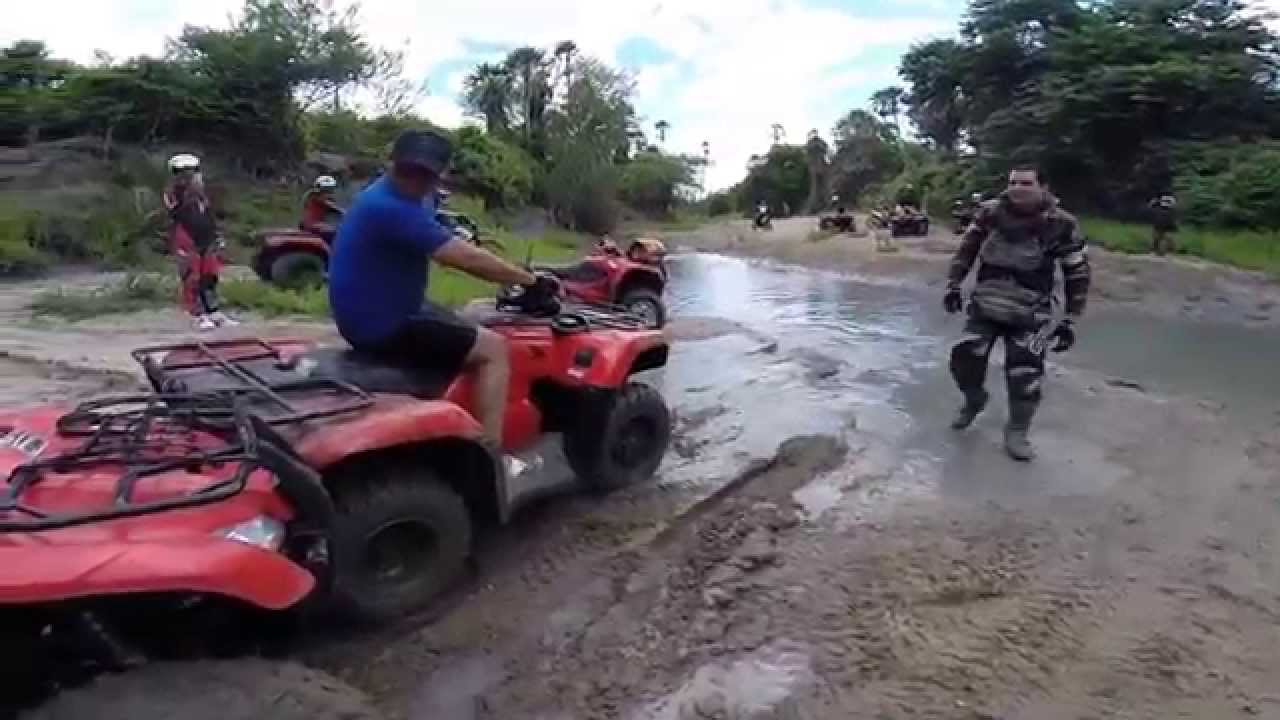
pixel 424 148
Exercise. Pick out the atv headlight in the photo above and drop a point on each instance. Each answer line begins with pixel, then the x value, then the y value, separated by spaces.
pixel 262 531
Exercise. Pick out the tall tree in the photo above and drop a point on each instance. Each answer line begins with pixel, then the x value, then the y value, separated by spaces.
pixel 528 66
pixel 865 155
pixel 887 103
pixel 815 151
pixel 662 126
pixel 488 92
pixel 565 51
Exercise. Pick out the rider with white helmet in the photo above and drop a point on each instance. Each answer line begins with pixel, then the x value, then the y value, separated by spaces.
pixel 194 241
pixel 320 212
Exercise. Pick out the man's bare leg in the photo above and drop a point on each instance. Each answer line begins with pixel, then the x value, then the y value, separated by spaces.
pixel 490 361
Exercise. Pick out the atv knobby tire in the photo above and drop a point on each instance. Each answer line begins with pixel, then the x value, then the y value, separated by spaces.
pixel 401 537
pixel 650 306
pixel 623 442
pixel 297 270
pixel 245 689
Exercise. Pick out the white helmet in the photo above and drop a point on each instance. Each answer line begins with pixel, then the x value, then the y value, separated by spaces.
pixel 326 182
pixel 184 162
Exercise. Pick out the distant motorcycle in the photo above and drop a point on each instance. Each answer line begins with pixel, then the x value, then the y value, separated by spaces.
pixel 763 219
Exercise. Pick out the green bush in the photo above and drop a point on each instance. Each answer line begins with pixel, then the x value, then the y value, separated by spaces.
pixel 17 254
pixel 1233 186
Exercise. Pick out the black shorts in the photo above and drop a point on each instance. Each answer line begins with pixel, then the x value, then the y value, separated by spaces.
pixel 434 337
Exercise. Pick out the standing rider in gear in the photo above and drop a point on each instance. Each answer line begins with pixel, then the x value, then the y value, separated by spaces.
pixel 1020 238
pixel 194 242
pixel 320 214
pixel 1164 223
pixel 379 272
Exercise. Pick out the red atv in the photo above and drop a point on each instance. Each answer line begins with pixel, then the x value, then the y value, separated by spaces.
pixel 634 281
pixel 265 478
pixel 299 258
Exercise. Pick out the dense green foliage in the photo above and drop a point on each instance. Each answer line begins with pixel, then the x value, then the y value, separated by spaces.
pixel 1119 100
pixel 271 97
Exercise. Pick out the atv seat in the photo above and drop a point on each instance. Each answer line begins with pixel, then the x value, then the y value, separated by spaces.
pixel 577 272
pixel 375 374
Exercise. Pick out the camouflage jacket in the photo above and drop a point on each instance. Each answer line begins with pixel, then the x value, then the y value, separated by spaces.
pixel 1019 254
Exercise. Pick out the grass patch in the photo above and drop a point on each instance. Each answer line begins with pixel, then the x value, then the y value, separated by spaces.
pixel 133 294
pixel 271 301
pixel 1248 249
pixel 17 254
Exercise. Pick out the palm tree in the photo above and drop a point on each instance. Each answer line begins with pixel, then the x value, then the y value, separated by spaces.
pixel 662 126
pixel 487 93
pixel 887 103
pixel 815 151
pixel 564 53
pixel 529 66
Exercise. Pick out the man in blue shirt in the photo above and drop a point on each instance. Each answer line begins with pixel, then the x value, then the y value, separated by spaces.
pixel 379 269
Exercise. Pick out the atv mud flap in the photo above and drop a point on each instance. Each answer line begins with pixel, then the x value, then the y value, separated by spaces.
pixel 41 573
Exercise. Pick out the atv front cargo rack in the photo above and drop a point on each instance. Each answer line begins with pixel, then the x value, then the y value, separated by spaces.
pixel 147 435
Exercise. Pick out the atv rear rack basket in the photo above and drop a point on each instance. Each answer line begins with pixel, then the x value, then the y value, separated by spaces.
pixel 228 367
pixel 147 435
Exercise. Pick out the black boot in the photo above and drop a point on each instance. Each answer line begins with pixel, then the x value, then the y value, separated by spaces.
pixel 1016 440
pixel 974 404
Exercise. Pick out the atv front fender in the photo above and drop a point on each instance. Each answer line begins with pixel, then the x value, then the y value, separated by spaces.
pixel 41 573
pixel 393 421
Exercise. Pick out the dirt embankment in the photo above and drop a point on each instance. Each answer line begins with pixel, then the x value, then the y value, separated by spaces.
pixel 1170 287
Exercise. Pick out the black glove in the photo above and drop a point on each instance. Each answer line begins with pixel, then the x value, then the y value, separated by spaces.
pixel 1064 337
pixel 542 296
pixel 953 301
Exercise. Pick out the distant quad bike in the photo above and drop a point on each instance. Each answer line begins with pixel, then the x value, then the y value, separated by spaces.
pixel 839 222
pixel 910 224
pixel 273 480
pixel 296 258
pixel 633 282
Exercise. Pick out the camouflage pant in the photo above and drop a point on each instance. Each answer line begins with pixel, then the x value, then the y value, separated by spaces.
pixel 1023 369
pixel 1162 240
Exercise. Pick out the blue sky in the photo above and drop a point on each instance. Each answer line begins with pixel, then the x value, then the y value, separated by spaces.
pixel 722 71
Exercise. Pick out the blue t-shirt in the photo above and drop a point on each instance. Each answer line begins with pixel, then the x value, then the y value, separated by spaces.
pixel 378 270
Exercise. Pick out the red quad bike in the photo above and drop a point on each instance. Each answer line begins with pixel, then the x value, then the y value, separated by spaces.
pixel 633 282
pixel 266 479
pixel 298 258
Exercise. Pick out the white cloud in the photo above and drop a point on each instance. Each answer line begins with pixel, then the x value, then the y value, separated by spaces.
pixel 737 66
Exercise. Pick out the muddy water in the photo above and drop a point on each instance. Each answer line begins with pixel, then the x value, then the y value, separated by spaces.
pixel 812 352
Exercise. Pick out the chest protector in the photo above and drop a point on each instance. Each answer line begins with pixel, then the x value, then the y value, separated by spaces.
pixel 1015 281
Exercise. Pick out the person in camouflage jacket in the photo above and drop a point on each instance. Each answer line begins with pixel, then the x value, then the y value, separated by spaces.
pixel 1020 239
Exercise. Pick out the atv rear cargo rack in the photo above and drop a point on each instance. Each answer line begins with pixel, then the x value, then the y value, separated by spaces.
pixel 149 435
pixel 232 371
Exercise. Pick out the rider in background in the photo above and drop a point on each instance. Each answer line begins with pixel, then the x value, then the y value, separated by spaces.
pixel 194 242
pixel 320 213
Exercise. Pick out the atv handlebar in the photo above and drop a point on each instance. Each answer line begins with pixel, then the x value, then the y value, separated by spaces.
pixel 541 298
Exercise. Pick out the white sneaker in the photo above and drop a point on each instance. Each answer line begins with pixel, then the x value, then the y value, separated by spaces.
pixel 205 323
pixel 224 320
